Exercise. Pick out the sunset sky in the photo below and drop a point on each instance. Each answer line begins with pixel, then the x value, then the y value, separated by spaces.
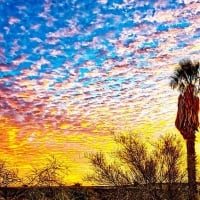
pixel 73 72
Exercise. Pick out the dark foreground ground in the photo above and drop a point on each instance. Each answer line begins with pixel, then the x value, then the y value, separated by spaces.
pixel 77 192
pixel 59 193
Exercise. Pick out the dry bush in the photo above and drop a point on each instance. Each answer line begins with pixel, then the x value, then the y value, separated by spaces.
pixel 141 172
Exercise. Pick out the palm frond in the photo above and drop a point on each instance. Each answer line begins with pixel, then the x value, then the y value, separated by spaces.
pixel 173 82
pixel 190 69
pixel 185 74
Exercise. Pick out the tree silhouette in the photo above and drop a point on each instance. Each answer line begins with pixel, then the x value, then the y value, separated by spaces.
pixel 186 80
pixel 8 178
pixel 47 181
pixel 139 172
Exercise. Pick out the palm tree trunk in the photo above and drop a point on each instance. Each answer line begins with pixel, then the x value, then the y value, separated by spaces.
pixel 191 168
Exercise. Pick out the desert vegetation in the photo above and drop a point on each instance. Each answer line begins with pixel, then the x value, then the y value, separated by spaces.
pixel 137 170
pixel 141 170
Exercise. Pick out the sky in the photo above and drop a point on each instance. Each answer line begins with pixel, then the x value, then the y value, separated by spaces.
pixel 74 72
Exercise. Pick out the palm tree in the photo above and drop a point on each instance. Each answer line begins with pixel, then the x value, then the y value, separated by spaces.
pixel 186 80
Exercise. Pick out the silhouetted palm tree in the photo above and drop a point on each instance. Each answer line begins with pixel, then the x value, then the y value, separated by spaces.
pixel 186 80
